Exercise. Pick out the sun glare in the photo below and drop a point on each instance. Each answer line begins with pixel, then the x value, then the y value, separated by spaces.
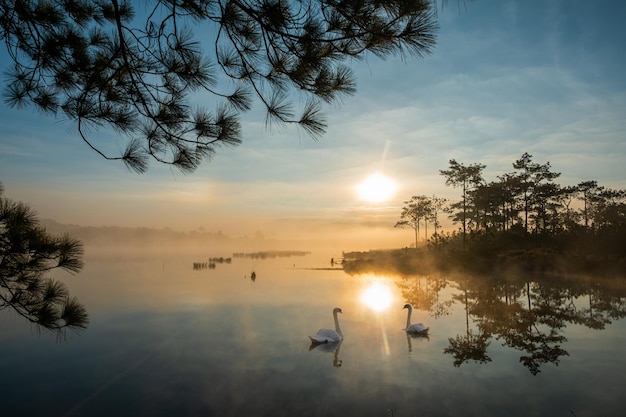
pixel 376 188
pixel 377 296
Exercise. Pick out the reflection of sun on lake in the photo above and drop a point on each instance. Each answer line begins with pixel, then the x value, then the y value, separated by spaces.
pixel 377 296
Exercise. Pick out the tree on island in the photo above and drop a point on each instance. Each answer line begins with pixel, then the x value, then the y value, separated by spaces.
pixel 27 254
pixel 101 64
pixel 415 210
pixel 535 179
pixel 438 205
pixel 468 178
pixel 421 208
pixel 524 209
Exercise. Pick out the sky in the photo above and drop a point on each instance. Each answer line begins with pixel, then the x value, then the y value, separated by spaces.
pixel 505 78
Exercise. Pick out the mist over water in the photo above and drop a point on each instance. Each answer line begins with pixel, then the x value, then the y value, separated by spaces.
pixel 167 339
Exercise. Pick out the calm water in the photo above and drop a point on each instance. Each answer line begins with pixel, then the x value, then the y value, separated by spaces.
pixel 167 340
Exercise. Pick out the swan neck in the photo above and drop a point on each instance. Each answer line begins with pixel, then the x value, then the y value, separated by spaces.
pixel 408 317
pixel 337 328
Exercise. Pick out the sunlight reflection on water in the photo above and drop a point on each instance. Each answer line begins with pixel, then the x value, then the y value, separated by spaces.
pixel 377 296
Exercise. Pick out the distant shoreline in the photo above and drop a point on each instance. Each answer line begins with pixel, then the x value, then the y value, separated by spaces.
pixel 516 262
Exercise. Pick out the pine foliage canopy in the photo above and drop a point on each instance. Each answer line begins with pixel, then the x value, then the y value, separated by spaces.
pixel 135 66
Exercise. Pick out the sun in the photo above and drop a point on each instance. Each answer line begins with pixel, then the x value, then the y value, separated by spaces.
pixel 376 188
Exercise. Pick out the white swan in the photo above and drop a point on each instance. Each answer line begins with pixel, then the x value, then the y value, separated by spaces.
pixel 328 335
pixel 417 328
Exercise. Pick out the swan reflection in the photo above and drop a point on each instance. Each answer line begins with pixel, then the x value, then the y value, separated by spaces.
pixel 418 337
pixel 331 347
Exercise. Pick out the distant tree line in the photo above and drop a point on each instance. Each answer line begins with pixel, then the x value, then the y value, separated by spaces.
pixel 271 254
pixel 121 235
pixel 525 205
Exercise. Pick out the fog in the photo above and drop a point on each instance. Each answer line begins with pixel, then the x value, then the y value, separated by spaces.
pixel 110 240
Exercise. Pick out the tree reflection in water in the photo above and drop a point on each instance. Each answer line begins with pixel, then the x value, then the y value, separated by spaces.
pixel 528 314
pixel 469 346
pixel 423 293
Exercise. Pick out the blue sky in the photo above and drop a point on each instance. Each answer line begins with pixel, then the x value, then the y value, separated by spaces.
pixel 505 78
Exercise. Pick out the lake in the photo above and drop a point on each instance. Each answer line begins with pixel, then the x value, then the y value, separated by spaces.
pixel 168 339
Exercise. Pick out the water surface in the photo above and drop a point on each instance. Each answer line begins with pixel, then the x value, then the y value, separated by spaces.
pixel 166 339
